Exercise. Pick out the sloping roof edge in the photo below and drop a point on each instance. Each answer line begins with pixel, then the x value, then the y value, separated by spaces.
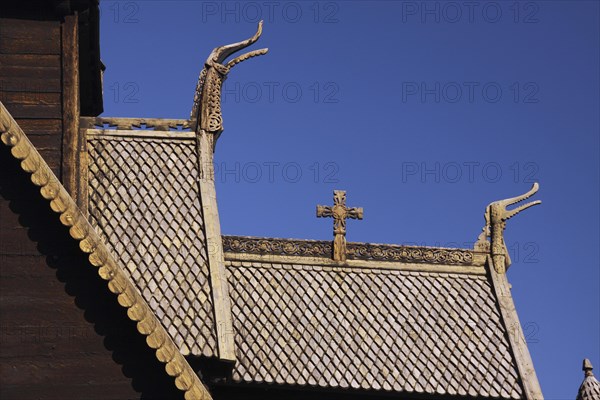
pixel 109 269
pixel 516 338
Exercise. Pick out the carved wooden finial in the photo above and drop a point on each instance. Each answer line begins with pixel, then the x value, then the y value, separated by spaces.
pixel 496 215
pixel 206 110
pixel 339 212
pixel 587 367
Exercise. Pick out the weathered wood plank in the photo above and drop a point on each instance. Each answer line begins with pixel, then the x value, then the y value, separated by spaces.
pixel 53 159
pixel 31 99
pixel 40 127
pixel 71 165
pixel 30 73
pixel 38 371
pixel 20 309
pixel 36 85
pixel 12 243
pixel 41 341
pixel 29 37
pixel 46 142
pixel 20 266
pixel 110 391
pixel 157 124
pixel 32 104
pixel 34 61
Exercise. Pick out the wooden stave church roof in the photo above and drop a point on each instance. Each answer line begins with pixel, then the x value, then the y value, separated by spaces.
pixel 124 161
pixel 121 278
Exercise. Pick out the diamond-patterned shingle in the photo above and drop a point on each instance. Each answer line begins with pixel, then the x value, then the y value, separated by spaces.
pixel 367 328
pixel 144 201
pixel 589 389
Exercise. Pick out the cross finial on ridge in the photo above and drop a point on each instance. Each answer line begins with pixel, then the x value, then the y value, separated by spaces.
pixel 339 212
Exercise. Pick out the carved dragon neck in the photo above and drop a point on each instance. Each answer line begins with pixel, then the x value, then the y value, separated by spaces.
pixel 206 113
pixel 496 215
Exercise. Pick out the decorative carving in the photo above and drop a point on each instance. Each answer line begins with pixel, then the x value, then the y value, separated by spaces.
pixel 239 244
pixel 496 216
pixel 206 111
pixel 356 251
pixel 99 256
pixel 407 254
pixel 155 124
pixel 339 212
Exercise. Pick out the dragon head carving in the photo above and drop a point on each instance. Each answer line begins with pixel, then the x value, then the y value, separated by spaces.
pixel 206 111
pixel 496 215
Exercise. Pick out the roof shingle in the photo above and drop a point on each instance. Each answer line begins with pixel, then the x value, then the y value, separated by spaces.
pixel 144 200
pixel 366 328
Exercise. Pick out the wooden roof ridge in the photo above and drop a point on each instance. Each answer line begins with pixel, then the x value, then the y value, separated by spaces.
pixel 321 251
pixel 109 268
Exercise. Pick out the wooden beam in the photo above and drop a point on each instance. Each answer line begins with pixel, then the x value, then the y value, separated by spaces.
pixel 156 124
pixel 71 142
pixel 214 244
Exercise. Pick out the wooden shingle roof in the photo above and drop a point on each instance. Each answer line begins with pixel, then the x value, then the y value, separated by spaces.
pixel 144 200
pixel 408 320
pixel 370 328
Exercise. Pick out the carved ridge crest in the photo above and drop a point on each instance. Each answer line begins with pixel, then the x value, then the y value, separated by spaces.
pixel 355 251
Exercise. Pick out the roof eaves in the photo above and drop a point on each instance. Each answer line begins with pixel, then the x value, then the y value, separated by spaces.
pixel 109 269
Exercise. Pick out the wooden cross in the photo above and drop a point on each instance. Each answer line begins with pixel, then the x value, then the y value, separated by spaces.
pixel 339 212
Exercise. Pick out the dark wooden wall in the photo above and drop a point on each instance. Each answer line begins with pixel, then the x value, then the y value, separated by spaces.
pixel 30 81
pixel 62 334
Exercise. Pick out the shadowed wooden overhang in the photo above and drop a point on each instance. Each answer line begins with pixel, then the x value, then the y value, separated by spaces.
pixel 109 269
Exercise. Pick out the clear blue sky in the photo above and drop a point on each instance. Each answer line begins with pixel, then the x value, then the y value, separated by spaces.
pixel 424 112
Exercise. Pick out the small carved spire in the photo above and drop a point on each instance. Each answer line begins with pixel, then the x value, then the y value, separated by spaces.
pixel 339 212
pixel 590 387
pixel 587 367
pixel 496 215
pixel 206 111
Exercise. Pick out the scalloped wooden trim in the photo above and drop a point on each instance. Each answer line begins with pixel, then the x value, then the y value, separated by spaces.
pixel 109 269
